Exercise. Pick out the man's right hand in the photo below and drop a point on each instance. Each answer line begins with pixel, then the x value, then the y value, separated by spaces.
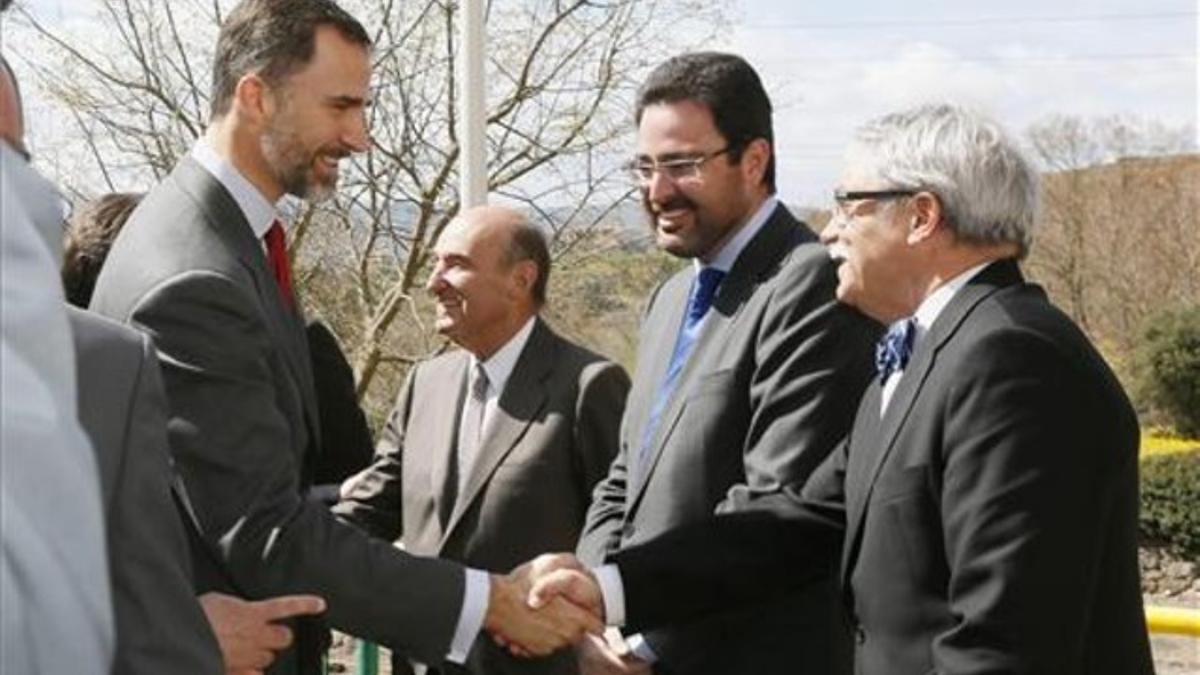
pixel 527 631
pixel 246 630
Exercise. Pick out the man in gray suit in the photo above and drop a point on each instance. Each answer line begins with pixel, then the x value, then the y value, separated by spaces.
pixel 748 372
pixel 201 266
pixel 550 414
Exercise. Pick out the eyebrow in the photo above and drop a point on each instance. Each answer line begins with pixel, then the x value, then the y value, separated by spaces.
pixel 669 156
pixel 349 101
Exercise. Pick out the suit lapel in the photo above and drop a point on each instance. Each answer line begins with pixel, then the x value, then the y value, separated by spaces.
pixel 523 398
pixel 756 263
pixel 445 442
pixel 880 437
pixel 225 217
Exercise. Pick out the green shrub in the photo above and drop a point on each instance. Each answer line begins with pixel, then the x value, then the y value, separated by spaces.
pixel 1169 368
pixel 1170 511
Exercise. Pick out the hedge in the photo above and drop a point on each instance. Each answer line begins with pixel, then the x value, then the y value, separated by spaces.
pixel 1170 512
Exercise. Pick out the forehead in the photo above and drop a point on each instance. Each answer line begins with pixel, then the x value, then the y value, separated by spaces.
pixel 467 238
pixel 678 125
pixel 338 67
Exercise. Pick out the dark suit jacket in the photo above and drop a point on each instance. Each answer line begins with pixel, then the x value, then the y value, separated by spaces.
pixel 188 270
pixel 160 626
pixel 345 436
pixel 769 389
pixel 553 436
pixel 990 516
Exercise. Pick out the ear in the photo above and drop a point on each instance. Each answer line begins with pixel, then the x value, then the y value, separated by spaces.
pixel 524 275
pixel 754 160
pixel 928 217
pixel 253 99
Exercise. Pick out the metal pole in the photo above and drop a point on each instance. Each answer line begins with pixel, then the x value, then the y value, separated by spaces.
pixel 472 130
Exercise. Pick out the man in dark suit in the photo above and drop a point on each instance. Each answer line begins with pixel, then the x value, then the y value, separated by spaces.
pixel 739 399
pixel 550 413
pixel 986 499
pixel 202 267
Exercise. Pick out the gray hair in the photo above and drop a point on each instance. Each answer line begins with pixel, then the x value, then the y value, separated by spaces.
pixel 987 188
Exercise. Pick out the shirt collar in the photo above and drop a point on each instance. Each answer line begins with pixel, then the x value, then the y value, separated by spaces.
pixel 259 212
pixel 500 366
pixel 733 248
pixel 929 309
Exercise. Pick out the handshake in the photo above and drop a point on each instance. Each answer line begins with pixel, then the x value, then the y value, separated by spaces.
pixel 544 605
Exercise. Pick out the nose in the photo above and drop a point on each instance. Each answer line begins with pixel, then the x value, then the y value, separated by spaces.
pixel 435 282
pixel 832 229
pixel 357 138
pixel 659 188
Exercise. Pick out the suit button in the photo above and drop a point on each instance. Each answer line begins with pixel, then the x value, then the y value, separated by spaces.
pixel 860 635
pixel 627 530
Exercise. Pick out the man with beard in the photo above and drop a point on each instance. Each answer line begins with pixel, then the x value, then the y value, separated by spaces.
pixel 202 267
pixel 748 369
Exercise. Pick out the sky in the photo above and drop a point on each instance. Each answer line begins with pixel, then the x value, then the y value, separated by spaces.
pixel 829 66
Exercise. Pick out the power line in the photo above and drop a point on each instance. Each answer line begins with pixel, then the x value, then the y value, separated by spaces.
pixel 983 21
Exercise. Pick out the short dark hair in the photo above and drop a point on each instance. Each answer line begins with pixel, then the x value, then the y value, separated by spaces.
pixel 90 235
pixel 273 38
pixel 526 242
pixel 728 87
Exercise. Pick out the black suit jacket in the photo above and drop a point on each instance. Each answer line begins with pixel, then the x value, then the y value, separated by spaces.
pixel 244 427
pixel 160 626
pixel 553 436
pixel 768 391
pixel 990 516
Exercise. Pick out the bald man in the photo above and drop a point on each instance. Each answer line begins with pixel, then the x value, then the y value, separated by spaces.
pixel 491 452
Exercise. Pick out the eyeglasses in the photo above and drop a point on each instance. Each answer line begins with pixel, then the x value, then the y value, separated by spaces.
pixel 844 201
pixel 674 169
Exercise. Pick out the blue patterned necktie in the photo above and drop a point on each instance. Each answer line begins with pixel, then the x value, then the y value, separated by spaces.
pixel 893 349
pixel 704 289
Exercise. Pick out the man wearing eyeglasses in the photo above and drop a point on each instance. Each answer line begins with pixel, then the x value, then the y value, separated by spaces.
pixel 986 500
pixel 748 369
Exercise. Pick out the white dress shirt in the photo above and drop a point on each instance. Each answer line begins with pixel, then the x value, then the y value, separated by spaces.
pixel 55 602
pixel 260 213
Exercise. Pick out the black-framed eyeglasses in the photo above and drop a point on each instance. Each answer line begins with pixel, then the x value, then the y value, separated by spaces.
pixel 842 199
pixel 685 167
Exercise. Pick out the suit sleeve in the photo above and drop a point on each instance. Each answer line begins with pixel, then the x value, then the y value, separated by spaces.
pixel 813 361
pixel 374 499
pixel 602 393
pixel 235 451
pixel 162 628
pixel 1025 503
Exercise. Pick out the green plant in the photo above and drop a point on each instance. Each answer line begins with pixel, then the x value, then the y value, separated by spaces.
pixel 1169 368
pixel 1170 511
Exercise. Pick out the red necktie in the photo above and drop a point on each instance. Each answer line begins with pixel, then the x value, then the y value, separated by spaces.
pixel 278 260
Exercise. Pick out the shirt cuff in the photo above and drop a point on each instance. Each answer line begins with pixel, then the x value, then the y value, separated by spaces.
pixel 470 619
pixel 639 647
pixel 608 577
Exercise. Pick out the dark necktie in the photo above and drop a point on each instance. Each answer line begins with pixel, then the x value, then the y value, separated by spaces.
pixel 704 289
pixel 893 349
pixel 278 260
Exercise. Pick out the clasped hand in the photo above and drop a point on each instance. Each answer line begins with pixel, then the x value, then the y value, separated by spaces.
pixel 544 605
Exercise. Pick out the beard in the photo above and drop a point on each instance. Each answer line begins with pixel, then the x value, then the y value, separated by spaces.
pixel 294 164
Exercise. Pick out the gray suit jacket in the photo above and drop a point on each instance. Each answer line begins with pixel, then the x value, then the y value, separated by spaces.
pixel 160 626
pixel 187 270
pixel 770 388
pixel 553 438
